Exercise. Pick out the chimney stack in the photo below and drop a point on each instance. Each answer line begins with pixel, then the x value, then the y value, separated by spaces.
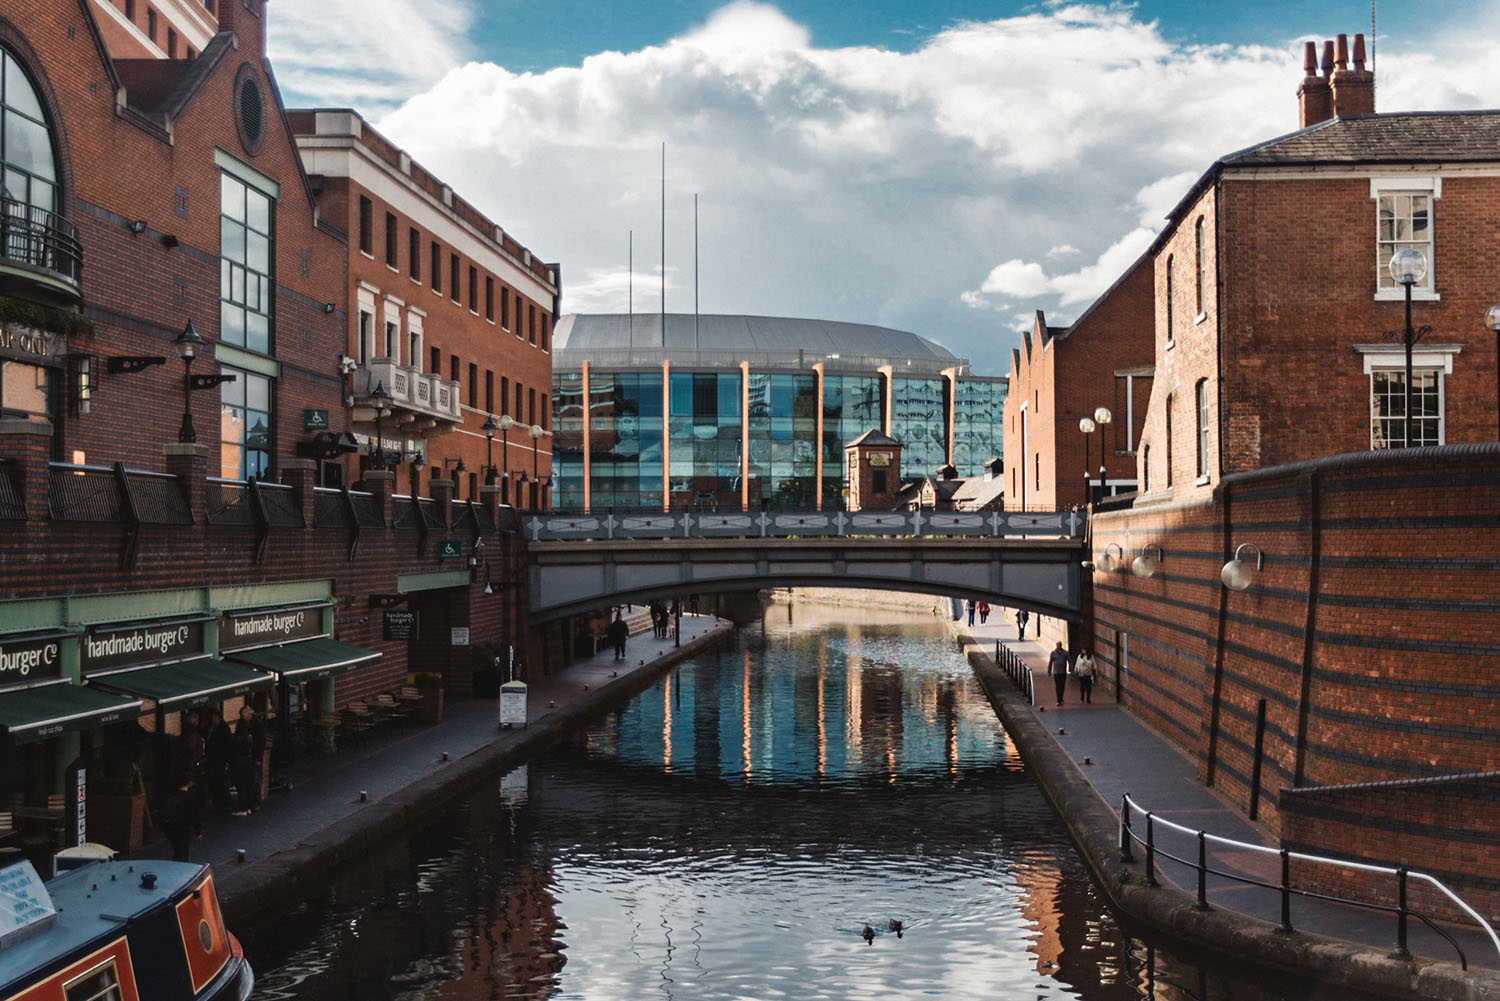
pixel 1314 96
pixel 1353 89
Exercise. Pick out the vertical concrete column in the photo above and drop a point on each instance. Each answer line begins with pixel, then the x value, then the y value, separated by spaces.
pixel 188 462
pixel 302 476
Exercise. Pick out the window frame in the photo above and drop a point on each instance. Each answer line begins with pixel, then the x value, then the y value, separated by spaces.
pixel 1203 425
pixel 1389 358
pixel 1431 187
pixel 1200 239
pixel 228 266
pixel 240 388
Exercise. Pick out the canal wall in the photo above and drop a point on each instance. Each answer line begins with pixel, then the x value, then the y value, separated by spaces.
pixel 895 600
pixel 1345 699
pixel 250 892
pixel 1094 827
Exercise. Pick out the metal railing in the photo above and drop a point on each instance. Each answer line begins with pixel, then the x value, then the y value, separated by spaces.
pixel 1016 670
pixel 1401 875
pixel 772 523
pixel 40 239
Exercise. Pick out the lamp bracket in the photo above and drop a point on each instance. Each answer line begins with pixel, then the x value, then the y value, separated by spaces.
pixel 209 381
pixel 126 364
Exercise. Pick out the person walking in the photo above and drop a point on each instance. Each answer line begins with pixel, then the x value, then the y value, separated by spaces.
pixel 617 633
pixel 1021 618
pixel 970 607
pixel 1084 668
pixel 1057 666
pixel 984 612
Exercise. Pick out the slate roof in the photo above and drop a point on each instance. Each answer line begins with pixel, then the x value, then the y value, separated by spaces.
pixel 1417 137
pixel 874 437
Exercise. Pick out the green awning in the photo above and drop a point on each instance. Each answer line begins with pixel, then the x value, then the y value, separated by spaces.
pixel 197 682
pixel 309 660
pixel 31 714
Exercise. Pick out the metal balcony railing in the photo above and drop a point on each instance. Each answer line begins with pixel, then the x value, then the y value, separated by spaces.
pixel 12 502
pixel 35 238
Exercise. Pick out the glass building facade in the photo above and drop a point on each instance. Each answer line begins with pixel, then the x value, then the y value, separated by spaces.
pixel 721 418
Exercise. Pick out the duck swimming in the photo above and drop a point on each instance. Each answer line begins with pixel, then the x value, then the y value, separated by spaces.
pixel 868 935
pixel 895 926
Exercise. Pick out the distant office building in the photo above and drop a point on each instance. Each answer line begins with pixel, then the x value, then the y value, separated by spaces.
pixel 729 411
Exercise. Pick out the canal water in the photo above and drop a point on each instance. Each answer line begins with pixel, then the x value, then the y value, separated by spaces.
pixel 826 808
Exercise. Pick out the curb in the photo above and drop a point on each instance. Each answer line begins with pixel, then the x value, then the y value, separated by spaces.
pixel 246 893
pixel 1093 825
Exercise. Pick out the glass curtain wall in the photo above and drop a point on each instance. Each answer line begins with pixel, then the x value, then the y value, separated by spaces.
pixel 783 433
pixel 919 423
pixel 625 439
pixel 852 405
pixel 978 419
pixel 567 441
pixel 705 436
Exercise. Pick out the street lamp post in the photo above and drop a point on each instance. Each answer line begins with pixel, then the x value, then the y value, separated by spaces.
pixel 380 399
pixel 505 423
pixel 188 343
pixel 1102 416
pixel 1492 320
pixel 489 428
pixel 1408 267
pixel 1086 425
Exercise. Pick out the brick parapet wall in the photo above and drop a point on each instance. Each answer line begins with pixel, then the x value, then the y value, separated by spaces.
pixel 1369 634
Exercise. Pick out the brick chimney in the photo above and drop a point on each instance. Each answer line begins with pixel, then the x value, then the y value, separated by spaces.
pixel 1353 89
pixel 1314 94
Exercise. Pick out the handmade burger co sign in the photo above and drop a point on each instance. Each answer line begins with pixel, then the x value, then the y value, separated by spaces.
pixel 106 648
pixel 267 626
pixel 30 659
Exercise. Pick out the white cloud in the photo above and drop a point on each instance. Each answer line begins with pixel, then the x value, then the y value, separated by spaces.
pixel 922 190
pixel 387 49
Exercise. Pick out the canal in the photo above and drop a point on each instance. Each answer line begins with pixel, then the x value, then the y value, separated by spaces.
pixel 826 808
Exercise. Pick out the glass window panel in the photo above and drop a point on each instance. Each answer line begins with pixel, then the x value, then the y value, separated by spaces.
pixel 258 333
pixel 258 252
pixel 18 91
pixel 231 240
pixel 28 146
pixel 232 324
pixel 237 284
pixel 231 198
pixel 257 211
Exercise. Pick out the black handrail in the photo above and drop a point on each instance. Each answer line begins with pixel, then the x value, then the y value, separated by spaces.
pixel 1127 837
pixel 40 239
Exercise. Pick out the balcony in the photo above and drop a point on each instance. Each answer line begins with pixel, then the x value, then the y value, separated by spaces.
pixel 422 403
pixel 39 253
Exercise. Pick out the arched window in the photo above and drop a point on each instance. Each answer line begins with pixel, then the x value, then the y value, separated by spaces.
pixel 1171 327
pixel 25 141
pixel 1169 442
pixel 1202 269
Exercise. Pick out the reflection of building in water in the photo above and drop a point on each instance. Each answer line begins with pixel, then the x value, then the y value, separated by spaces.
pixel 832 704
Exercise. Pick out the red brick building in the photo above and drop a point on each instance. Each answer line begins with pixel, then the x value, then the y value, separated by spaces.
pixel 1342 695
pixel 164 541
pixel 1062 376
pixel 449 314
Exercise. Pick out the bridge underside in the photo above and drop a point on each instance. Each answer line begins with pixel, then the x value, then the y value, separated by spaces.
pixel 1040 575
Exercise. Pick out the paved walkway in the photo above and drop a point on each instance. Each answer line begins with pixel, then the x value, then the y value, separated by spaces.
pixel 1118 754
pixel 338 803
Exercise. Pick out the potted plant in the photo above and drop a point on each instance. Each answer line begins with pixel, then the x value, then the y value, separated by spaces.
pixel 430 685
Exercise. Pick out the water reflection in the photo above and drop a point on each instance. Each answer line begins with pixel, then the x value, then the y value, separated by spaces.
pixel 730 834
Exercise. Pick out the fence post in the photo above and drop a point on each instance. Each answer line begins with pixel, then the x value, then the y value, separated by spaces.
pixel 1150 850
pixel 1202 904
pixel 997 651
pixel 1401 912
pixel 1286 892
pixel 1126 855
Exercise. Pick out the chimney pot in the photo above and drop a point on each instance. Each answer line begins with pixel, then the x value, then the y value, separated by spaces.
pixel 1328 57
pixel 1310 59
pixel 1359 53
pixel 1341 60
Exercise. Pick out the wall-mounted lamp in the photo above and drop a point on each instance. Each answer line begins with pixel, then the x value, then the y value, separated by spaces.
pixel 83 384
pixel 136 226
pixel 1144 565
pixel 328 307
pixel 1238 574
pixel 1110 562
pixel 188 343
pixel 489 429
pixel 457 464
pixel 380 399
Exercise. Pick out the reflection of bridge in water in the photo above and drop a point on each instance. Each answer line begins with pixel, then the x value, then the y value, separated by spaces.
pixel 577 561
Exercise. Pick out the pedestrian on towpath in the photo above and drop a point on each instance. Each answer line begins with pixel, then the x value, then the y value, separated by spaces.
pixel 618 632
pixel 984 612
pixel 970 607
pixel 1084 668
pixel 1057 666
pixel 1021 618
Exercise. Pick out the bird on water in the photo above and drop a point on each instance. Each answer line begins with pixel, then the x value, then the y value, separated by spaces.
pixel 896 926
pixel 868 935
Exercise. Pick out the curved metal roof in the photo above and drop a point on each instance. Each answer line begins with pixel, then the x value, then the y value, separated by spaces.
pixel 724 340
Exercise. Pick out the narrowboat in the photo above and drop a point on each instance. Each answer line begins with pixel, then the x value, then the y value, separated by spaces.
pixel 142 930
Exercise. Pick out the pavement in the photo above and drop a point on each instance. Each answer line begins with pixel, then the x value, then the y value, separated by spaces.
pixel 1088 756
pixel 334 807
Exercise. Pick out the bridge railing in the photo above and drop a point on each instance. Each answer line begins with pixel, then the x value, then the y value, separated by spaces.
pixel 555 526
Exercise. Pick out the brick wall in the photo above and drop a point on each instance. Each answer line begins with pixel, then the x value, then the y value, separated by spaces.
pixel 1369 634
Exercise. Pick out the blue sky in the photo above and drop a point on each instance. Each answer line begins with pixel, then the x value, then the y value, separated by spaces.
pixel 947 168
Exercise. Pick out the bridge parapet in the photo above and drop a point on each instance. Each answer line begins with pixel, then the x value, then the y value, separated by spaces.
pixel 559 526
